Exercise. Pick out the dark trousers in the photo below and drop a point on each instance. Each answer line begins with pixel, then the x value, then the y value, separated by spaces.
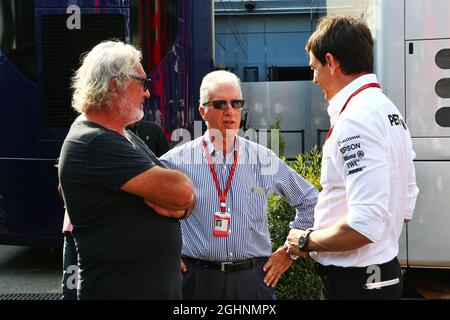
pixel 70 268
pixel 351 283
pixel 209 284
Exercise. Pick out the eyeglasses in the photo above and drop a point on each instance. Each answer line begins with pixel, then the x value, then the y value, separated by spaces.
pixel 222 104
pixel 145 82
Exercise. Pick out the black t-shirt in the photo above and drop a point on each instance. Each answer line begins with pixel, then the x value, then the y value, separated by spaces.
pixel 125 249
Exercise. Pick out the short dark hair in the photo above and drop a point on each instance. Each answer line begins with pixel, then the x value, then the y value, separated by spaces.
pixel 348 39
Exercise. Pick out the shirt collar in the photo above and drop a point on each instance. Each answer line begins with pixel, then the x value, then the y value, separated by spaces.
pixel 338 101
pixel 210 146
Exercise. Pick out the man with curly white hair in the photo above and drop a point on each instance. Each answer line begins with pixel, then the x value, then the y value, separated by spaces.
pixel 124 206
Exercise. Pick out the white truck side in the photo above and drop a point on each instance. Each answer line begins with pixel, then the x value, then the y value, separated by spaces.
pixel 412 62
pixel 413 65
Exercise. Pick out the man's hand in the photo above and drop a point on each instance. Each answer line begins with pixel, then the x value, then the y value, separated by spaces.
pixel 169 213
pixel 188 210
pixel 277 264
pixel 183 266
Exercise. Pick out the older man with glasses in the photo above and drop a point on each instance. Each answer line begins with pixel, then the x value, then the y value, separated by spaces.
pixel 110 180
pixel 227 250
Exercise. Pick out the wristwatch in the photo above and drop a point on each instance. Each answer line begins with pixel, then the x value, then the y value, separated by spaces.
pixel 303 240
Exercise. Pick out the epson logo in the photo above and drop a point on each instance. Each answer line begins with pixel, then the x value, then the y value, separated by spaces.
pixel 350 147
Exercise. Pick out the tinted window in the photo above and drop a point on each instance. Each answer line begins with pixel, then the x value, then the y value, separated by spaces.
pixel 61 51
pixel 17 35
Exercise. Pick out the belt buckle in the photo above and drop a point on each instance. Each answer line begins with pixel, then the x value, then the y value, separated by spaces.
pixel 223 264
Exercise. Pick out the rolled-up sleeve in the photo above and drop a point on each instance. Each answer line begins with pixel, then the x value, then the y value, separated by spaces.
pixel 299 192
pixel 364 165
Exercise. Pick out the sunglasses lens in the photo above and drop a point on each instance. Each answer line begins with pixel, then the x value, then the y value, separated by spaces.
pixel 147 83
pixel 237 104
pixel 219 104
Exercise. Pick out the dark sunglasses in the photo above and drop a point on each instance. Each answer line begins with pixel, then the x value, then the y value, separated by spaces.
pixel 222 104
pixel 145 82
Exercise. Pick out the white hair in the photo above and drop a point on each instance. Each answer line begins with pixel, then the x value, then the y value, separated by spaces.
pixel 214 79
pixel 107 60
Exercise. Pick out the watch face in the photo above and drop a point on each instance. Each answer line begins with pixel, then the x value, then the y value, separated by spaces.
pixel 301 241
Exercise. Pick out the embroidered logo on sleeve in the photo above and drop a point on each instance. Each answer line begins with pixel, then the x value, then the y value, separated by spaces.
pixel 396 120
pixel 350 147
pixel 348 139
pixel 353 154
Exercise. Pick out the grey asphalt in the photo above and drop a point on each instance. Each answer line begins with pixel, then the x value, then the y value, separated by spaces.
pixel 30 270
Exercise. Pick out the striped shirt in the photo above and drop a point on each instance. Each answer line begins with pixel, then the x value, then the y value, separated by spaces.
pixel 259 173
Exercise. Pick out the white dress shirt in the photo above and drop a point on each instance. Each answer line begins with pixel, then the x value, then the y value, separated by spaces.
pixel 367 175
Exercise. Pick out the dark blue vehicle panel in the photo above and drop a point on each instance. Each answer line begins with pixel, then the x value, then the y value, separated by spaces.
pixel 18 112
pixel 31 212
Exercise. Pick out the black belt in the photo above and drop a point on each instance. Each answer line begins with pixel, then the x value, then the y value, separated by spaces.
pixel 227 266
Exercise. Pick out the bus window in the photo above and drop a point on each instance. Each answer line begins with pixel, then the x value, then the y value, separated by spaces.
pixel 17 35
pixel 61 51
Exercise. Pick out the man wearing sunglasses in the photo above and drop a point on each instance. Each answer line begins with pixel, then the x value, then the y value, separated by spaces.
pixel 110 180
pixel 227 250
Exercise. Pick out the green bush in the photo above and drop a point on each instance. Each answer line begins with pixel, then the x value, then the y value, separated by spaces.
pixel 300 281
pixel 281 141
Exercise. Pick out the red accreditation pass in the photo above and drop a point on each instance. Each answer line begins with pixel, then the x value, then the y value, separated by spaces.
pixel 222 222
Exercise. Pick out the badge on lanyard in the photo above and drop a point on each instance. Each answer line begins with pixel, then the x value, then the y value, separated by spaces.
pixel 222 222
pixel 222 219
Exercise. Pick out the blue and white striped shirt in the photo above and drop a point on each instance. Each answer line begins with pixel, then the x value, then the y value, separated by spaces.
pixel 259 173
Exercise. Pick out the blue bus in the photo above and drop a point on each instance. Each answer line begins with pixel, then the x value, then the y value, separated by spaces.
pixel 41 42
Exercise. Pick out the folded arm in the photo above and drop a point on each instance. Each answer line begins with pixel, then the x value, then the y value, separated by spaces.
pixel 165 188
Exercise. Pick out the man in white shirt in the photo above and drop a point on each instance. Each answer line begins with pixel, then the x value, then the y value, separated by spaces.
pixel 368 175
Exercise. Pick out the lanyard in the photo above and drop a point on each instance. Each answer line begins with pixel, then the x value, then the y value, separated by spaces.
pixel 364 87
pixel 222 196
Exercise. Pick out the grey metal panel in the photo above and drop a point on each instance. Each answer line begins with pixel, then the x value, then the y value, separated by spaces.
pixel 422 75
pixel 389 50
pixel 402 253
pixel 359 8
pixel 293 143
pixel 267 99
pixel 427 19
pixel 432 148
pixel 429 229
pixel 300 104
